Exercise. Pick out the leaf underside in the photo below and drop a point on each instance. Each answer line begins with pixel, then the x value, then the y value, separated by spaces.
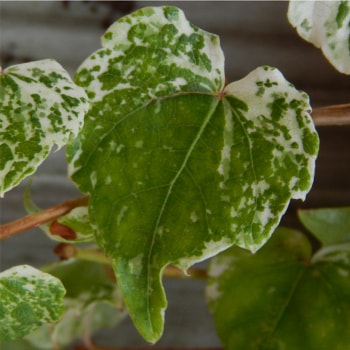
pixel 40 106
pixel 280 298
pixel 178 167
pixel 28 298
pixel 326 24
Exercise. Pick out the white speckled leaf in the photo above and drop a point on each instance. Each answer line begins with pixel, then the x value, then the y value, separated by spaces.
pixel 270 153
pixel 326 24
pixel 90 304
pixel 28 298
pixel 282 297
pixel 40 106
pixel 179 168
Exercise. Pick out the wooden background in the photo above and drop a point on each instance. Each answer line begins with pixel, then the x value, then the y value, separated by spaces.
pixel 252 34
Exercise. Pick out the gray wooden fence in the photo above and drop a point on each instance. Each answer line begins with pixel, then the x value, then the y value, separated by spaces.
pixel 252 34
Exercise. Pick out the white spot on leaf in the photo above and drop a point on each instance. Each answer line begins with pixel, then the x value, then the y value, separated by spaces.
pixel 121 214
pixel 139 144
pixel 194 217
pixel 136 264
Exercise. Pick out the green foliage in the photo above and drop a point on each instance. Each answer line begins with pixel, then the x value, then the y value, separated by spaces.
pixel 329 225
pixel 91 304
pixel 326 24
pixel 283 297
pixel 40 106
pixel 193 167
pixel 178 167
pixel 28 298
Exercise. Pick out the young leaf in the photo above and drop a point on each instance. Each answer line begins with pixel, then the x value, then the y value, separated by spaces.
pixel 329 225
pixel 40 106
pixel 74 227
pixel 28 298
pixel 326 24
pixel 179 168
pixel 281 297
pixel 90 304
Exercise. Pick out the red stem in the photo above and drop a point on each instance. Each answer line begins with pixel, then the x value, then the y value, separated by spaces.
pixel 96 347
pixel 46 215
pixel 332 115
pixel 322 116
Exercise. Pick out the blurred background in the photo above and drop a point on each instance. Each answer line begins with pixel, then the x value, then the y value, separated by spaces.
pixel 252 34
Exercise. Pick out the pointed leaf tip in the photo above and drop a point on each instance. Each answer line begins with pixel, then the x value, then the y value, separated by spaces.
pixel 178 168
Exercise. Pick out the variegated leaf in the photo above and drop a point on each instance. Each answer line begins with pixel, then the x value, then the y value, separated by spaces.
pixel 326 24
pixel 40 106
pixel 28 298
pixel 92 302
pixel 179 167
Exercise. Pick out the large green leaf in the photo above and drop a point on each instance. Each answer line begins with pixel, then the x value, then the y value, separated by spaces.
pixel 282 297
pixel 28 298
pixel 329 225
pixel 40 106
pixel 179 167
pixel 326 24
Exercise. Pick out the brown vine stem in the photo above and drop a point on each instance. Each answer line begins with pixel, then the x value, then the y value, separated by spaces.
pixel 95 347
pixel 332 115
pixel 322 116
pixel 193 272
pixel 46 215
pixel 68 251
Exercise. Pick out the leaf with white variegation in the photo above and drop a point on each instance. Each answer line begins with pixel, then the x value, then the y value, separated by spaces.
pixel 178 167
pixel 28 298
pixel 40 106
pixel 93 303
pixel 282 297
pixel 326 24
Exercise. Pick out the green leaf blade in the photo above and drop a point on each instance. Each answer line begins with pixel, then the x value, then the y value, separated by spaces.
pixel 40 107
pixel 157 155
pixel 326 25
pixel 28 298
pixel 173 59
pixel 273 299
pixel 330 225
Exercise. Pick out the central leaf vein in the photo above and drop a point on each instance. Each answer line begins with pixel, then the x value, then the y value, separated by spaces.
pixel 239 118
pixel 168 194
pixel 286 304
